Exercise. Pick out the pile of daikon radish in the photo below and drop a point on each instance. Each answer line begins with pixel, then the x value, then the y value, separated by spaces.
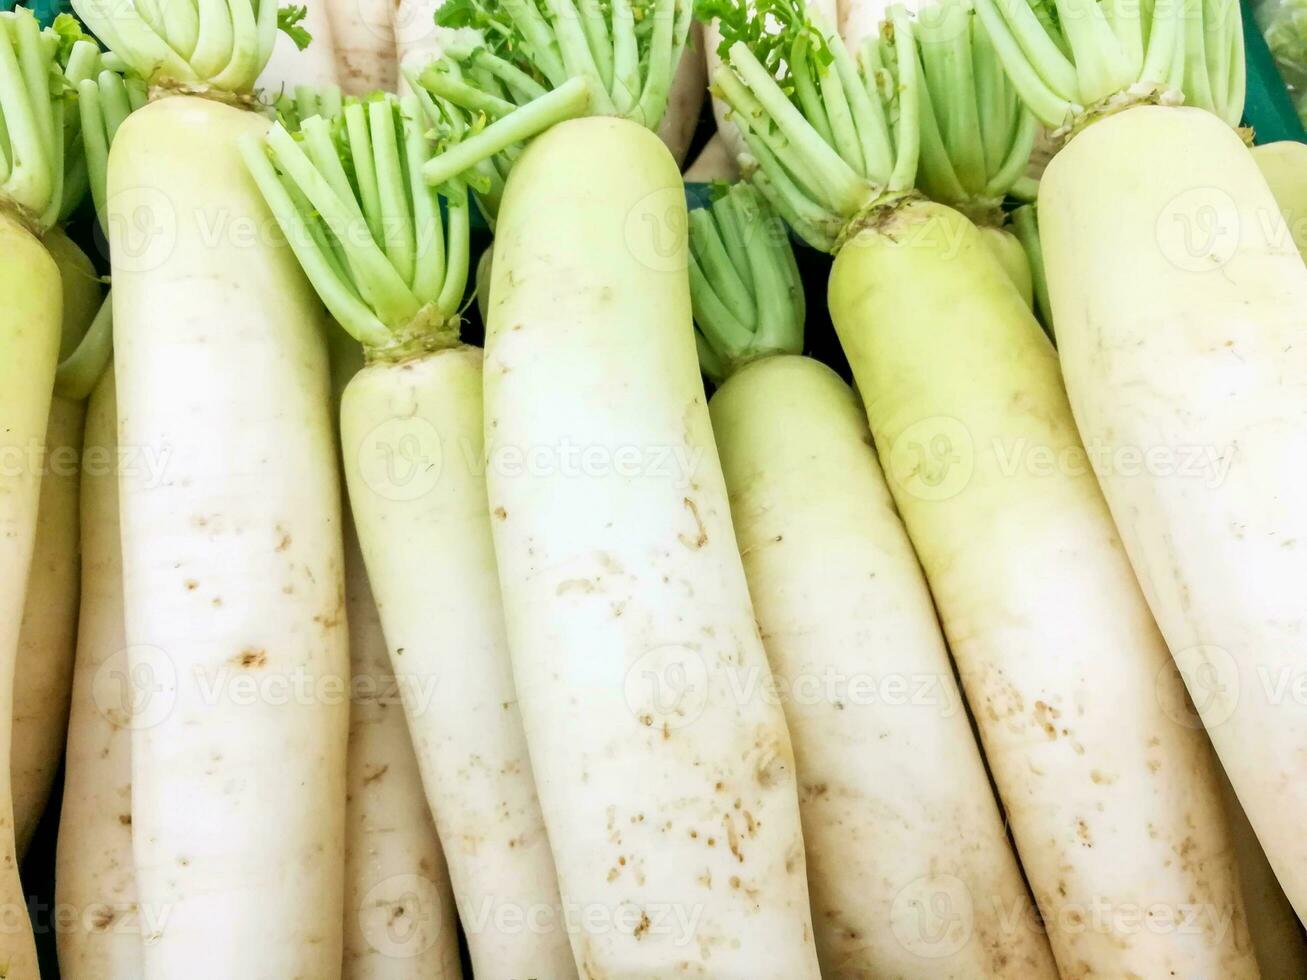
pixel 369 653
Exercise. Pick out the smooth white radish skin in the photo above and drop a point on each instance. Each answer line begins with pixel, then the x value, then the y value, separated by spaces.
pixel 416 40
pixel 685 97
pixel 364 38
pixel 1284 165
pixel 1277 934
pixel 665 773
pixel 824 11
pixel 233 573
pixel 1112 798
pixel 909 864
pixel 46 645
pixel 714 162
pixel 93 859
pixel 413 450
pixel 1180 348
pixel 861 19
pixel 49 637
pixel 29 338
pixel 400 920
pixel 315 65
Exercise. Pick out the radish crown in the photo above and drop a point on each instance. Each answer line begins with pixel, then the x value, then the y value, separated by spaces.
pixel 510 69
pixel 197 45
pixel 1069 58
pixel 744 283
pixel 976 134
pixel 40 177
pixel 348 193
pixel 925 105
pixel 829 136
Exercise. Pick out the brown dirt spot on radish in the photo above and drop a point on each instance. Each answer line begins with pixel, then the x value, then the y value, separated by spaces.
pixel 191 585
pixel 125 819
pixel 1045 714
pixel 701 537
pixel 733 838
pixel 1082 832
pixel 102 918
pixel 1101 778
pixel 772 763
pixel 251 658
pixel 500 513
pixel 376 774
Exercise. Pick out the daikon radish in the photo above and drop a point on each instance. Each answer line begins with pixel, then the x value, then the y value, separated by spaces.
pixel 48 636
pixel 1115 808
pixel 32 168
pixel 232 554
pixel 364 39
pixel 665 773
pixel 93 872
pixel 668 789
pixel 411 435
pixel 860 664
pixel 685 99
pixel 1177 316
pixel 400 919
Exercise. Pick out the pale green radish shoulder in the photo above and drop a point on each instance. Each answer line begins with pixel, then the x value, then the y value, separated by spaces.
pixel 846 617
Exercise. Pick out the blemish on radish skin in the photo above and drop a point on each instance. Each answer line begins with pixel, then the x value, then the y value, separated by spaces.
pixel 251 658
pixel 699 540
pixel 500 513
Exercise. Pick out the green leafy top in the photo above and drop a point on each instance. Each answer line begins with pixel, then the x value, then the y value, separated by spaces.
pixel 290 21
pixel 37 149
pixel 510 69
pixel 976 133
pixel 207 44
pixel 923 105
pixel 1070 58
pixel 347 191
pixel 828 135
pixel 744 283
